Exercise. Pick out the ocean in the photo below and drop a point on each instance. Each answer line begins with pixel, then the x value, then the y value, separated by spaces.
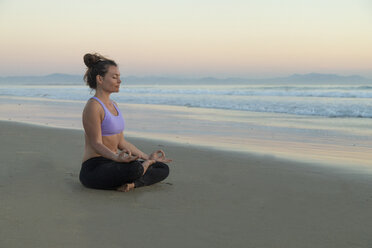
pixel 326 123
pixel 314 100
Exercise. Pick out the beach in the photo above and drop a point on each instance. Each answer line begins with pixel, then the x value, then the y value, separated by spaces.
pixel 314 139
pixel 211 198
pixel 265 108
pixel 240 178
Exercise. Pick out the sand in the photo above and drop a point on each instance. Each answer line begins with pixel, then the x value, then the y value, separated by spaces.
pixel 338 141
pixel 211 199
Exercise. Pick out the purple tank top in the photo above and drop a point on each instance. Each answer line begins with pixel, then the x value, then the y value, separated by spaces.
pixel 111 124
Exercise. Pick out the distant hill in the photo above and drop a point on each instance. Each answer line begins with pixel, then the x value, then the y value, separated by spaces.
pixel 68 79
pixel 56 78
pixel 326 78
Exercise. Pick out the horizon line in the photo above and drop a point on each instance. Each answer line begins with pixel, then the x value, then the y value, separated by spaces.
pixel 198 77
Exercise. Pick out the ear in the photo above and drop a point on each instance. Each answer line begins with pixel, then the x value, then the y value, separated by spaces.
pixel 99 79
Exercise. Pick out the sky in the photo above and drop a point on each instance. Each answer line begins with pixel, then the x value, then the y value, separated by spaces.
pixel 188 38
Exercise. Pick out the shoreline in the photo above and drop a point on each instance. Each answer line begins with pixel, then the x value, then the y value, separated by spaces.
pixel 257 155
pixel 336 142
pixel 211 198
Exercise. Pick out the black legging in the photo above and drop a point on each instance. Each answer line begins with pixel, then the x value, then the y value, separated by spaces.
pixel 103 173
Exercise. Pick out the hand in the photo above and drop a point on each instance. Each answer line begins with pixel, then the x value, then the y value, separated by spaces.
pixel 146 164
pixel 125 156
pixel 159 156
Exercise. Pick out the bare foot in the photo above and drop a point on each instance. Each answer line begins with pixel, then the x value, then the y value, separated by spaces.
pixel 126 187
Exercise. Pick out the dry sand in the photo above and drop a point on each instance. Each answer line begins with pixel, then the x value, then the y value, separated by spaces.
pixel 211 199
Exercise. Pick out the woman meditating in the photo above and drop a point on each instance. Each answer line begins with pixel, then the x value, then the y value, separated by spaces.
pixel 110 161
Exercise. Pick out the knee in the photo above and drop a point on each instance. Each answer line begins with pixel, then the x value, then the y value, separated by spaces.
pixel 137 169
pixel 164 168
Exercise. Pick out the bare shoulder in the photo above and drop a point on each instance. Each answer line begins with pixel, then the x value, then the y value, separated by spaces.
pixel 93 108
pixel 93 115
pixel 92 104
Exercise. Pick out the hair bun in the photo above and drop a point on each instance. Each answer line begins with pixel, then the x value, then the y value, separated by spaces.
pixel 91 59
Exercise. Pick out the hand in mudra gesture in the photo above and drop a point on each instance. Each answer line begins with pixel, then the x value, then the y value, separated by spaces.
pixel 126 157
pixel 159 156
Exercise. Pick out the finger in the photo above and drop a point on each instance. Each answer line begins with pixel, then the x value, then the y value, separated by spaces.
pixel 165 160
pixel 122 153
pixel 134 158
pixel 162 153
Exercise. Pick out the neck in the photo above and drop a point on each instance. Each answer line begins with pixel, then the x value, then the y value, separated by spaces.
pixel 103 96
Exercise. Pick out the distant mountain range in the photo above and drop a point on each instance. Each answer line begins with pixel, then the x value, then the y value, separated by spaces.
pixel 56 78
pixel 68 79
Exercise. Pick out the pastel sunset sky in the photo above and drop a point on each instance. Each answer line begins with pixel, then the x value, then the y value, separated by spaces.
pixel 218 38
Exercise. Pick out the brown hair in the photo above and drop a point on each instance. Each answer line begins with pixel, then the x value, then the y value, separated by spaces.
pixel 97 65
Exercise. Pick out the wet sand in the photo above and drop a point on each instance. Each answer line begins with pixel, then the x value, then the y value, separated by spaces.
pixel 346 141
pixel 211 199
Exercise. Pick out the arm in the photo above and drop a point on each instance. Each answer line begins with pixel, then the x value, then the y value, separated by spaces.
pixel 126 145
pixel 132 149
pixel 92 116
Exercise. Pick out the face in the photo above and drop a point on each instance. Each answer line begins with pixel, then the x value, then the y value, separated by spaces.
pixel 111 81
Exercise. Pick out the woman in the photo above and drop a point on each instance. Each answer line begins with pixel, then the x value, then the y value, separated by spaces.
pixel 104 166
